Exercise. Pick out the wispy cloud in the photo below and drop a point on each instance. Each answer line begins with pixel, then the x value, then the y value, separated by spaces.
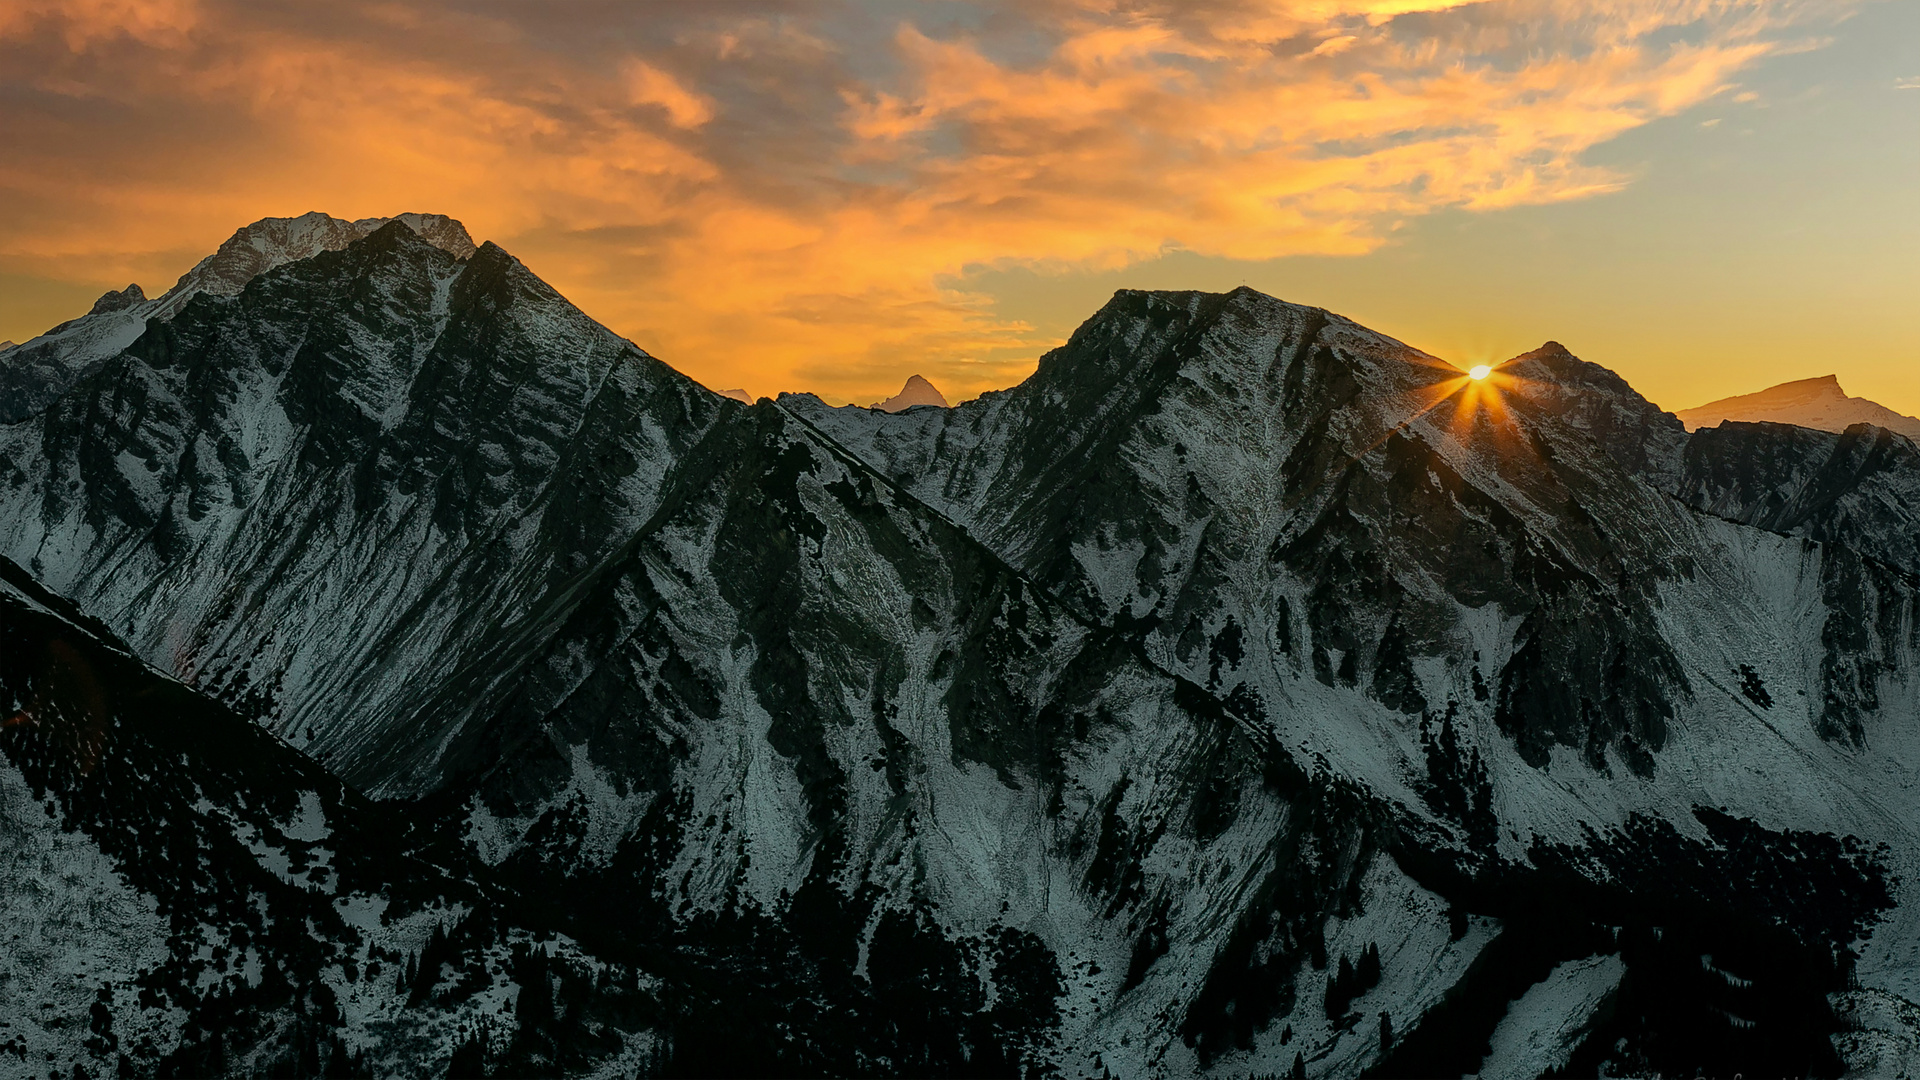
pixel 1907 84
pixel 780 198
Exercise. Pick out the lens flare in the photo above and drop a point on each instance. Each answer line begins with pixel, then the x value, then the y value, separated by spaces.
pixel 1479 371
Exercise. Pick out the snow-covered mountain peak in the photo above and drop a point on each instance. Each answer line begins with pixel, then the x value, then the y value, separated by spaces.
pixel 1638 435
pixel 1555 363
pixel 48 365
pixel 254 249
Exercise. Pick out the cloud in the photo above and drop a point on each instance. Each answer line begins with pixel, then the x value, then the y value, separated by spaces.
pixel 648 85
pixel 1907 84
pixel 794 198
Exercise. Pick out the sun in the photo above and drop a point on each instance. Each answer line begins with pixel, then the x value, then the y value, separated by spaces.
pixel 1479 371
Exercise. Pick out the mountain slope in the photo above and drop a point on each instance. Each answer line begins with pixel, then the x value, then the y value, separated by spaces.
pixel 1814 403
pixel 192 897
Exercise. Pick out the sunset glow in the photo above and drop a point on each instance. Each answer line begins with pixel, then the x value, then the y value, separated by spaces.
pixel 831 198
pixel 1479 371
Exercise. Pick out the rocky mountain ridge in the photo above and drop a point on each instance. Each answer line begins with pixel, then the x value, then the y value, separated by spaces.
pixel 1243 689
pixel 47 365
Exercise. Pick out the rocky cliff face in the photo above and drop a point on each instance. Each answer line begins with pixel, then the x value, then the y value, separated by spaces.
pixel 1243 689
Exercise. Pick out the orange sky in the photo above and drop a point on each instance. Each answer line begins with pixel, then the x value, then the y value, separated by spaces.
pixel 830 197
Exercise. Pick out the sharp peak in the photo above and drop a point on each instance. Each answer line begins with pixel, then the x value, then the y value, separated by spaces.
pixel 118 300
pixel 1548 350
pixel 490 254
pixel 915 391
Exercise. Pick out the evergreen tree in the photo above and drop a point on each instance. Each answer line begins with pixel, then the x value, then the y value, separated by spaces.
pixel 1299 1071
pixel 469 1059
pixel 1340 989
pixel 1367 975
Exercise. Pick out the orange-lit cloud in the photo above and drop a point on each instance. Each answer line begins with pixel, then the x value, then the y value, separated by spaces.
pixel 784 198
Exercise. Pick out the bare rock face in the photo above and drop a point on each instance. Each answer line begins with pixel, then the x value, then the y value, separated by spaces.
pixel 1813 403
pixel 1233 683
pixel 917 391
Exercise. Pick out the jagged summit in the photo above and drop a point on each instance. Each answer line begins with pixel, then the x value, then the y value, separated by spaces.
pixel 443 232
pixel 47 365
pixel 118 301
pixel 1815 403
pixel 254 249
pixel 917 391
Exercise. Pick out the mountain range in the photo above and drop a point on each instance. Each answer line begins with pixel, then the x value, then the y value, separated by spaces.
pixel 409 676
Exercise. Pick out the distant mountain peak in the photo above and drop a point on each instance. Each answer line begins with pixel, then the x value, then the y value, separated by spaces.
pixel 1817 403
pixel 917 391
pixel 738 394
pixel 5 345
pixel 118 301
